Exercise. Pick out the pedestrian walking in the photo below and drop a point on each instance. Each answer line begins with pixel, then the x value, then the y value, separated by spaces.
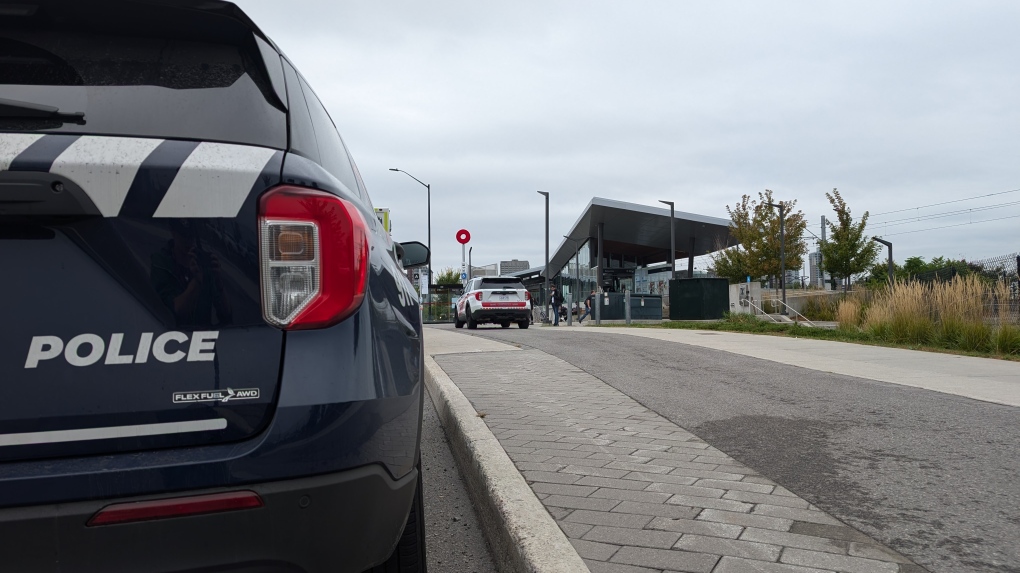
pixel 555 301
pixel 588 305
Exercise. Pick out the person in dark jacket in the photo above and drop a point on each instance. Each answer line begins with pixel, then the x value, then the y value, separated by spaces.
pixel 555 301
pixel 589 305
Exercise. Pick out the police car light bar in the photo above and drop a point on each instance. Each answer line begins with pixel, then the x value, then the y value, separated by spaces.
pixel 313 260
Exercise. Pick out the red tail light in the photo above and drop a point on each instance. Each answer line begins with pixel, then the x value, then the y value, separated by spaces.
pixel 478 295
pixel 314 258
pixel 175 507
pixel 527 295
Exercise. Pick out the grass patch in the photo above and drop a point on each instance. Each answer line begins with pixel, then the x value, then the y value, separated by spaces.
pixel 1001 343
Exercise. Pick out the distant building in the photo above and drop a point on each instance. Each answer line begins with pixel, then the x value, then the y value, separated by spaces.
pixel 484 271
pixel 817 278
pixel 514 266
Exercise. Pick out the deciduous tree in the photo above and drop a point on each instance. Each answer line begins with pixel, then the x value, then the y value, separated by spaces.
pixel 848 251
pixel 755 225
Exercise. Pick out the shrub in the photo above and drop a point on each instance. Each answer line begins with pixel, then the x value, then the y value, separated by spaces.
pixel 820 307
pixel 1007 339
pixel 975 337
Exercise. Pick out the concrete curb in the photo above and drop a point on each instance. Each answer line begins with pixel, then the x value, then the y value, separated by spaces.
pixel 523 536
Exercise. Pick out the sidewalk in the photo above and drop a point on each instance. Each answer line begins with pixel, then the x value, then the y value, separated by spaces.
pixel 633 492
pixel 985 379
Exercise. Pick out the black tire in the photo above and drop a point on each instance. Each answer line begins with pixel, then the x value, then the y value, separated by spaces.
pixel 457 322
pixel 505 324
pixel 523 324
pixel 409 556
pixel 472 323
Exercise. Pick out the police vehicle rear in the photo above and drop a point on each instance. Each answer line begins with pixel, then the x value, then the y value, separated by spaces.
pixel 211 359
pixel 496 300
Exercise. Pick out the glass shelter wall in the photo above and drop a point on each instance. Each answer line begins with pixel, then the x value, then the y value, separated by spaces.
pixel 578 278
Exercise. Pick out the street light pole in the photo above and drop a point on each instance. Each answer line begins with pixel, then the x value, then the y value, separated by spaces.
pixel 471 271
pixel 782 249
pixel 545 270
pixel 672 240
pixel 428 191
pixel 892 274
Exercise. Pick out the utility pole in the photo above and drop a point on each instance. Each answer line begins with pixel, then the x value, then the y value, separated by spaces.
pixel 782 249
pixel 471 269
pixel 821 270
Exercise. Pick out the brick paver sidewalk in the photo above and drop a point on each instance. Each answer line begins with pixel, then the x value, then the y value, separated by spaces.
pixel 636 493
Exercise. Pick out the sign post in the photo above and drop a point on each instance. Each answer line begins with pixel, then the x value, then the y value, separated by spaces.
pixel 463 237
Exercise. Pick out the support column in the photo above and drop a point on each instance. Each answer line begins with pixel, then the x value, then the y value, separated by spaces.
pixel 690 260
pixel 601 259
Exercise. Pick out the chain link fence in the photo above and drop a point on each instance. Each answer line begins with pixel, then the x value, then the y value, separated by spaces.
pixel 1001 299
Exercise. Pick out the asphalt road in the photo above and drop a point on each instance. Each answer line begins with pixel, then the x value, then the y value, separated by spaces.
pixel 453 536
pixel 935 476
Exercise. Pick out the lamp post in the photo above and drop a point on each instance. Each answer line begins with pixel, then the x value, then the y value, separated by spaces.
pixel 782 249
pixel 672 240
pixel 471 269
pixel 545 269
pixel 892 274
pixel 428 190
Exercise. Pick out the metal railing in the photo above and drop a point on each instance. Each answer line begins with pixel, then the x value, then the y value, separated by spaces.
pixel 794 311
pixel 750 301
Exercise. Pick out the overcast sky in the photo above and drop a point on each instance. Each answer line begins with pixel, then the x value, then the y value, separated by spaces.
pixel 899 105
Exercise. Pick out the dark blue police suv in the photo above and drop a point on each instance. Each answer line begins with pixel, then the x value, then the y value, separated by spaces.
pixel 210 357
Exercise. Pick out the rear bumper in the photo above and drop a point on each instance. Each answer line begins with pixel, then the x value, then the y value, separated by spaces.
pixel 501 314
pixel 346 521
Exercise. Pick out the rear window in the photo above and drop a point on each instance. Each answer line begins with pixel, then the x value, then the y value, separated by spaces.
pixel 166 87
pixel 501 284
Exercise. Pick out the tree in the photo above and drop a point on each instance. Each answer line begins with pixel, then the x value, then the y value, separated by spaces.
pixel 448 276
pixel 731 264
pixel 755 225
pixel 848 251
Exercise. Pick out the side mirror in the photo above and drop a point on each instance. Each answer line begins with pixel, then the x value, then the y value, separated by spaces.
pixel 413 254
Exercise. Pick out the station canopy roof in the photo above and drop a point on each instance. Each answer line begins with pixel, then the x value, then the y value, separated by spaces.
pixel 641 232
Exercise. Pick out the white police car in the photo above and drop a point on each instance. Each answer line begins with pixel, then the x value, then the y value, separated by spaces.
pixel 495 300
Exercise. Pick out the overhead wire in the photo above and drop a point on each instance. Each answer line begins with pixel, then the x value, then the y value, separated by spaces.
pixel 919 218
pixel 945 202
pixel 949 226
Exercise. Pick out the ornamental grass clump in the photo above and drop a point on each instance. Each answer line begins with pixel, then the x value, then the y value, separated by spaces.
pixel 849 314
pixel 959 308
pixel 1006 339
pixel 911 314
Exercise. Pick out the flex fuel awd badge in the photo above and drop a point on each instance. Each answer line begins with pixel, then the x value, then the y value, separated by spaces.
pixel 216 395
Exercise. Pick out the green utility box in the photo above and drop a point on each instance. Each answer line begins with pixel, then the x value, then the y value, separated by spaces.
pixel 698 299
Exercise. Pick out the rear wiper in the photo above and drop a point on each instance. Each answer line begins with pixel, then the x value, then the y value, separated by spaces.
pixel 13 109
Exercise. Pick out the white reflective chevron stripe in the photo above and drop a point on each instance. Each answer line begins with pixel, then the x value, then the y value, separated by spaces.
pixel 214 181
pixel 104 167
pixel 111 432
pixel 12 144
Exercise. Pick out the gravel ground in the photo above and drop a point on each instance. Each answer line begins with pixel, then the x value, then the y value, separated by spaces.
pixel 454 539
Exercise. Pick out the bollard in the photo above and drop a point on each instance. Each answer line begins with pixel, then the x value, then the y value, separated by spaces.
pixel 626 306
pixel 570 310
pixel 598 311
